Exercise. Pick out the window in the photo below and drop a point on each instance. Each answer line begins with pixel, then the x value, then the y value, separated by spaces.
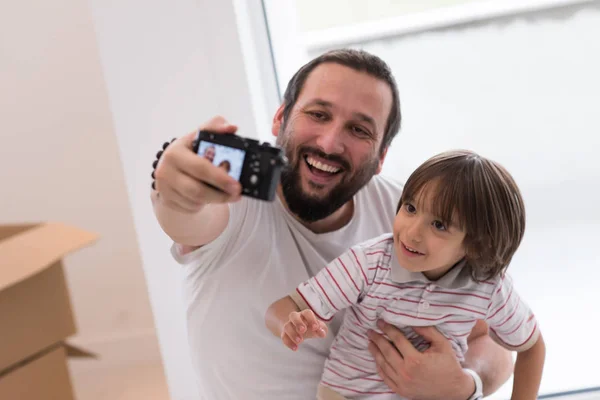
pixel 515 81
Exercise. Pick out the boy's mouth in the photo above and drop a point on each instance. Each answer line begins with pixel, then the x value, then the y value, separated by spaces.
pixel 411 250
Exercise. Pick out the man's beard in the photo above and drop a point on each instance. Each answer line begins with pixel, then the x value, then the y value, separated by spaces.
pixel 313 208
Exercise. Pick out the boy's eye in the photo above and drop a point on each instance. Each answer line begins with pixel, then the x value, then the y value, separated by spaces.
pixel 410 208
pixel 439 225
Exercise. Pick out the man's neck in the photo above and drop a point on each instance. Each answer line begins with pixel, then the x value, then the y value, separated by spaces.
pixel 335 221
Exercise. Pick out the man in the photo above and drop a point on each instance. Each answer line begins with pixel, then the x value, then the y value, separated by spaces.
pixel 340 113
pixel 209 153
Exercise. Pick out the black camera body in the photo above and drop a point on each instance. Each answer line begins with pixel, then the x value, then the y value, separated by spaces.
pixel 256 166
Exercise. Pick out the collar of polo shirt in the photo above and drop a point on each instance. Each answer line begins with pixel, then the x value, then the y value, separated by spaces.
pixel 458 277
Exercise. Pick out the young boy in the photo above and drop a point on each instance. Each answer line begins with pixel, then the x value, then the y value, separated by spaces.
pixel 459 222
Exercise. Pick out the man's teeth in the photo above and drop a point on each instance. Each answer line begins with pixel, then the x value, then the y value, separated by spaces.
pixel 323 167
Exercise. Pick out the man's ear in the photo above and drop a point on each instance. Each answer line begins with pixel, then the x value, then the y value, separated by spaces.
pixel 277 121
pixel 381 160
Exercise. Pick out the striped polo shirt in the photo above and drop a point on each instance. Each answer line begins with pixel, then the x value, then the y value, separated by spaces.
pixel 368 280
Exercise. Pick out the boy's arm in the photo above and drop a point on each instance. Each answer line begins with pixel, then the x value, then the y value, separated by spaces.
pixel 528 371
pixel 513 326
pixel 278 314
pixel 284 319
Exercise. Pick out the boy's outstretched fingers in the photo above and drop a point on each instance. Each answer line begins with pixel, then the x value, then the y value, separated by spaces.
pixel 288 342
pixel 311 320
pixel 322 330
pixel 290 337
pixel 299 322
pixel 316 327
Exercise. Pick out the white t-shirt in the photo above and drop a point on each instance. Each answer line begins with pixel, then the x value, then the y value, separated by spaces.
pixel 262 255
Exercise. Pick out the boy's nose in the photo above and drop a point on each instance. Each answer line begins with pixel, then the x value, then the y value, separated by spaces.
pixel 415 232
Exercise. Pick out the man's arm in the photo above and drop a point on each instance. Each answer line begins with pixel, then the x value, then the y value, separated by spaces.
pixel 492 362
pixel 190 230
pixel 191 193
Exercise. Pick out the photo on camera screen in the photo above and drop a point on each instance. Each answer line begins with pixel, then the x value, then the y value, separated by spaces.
pixel 228 158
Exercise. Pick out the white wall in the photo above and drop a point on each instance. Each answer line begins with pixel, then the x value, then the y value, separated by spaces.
pixel 169 66
pixel 524 91
pixel 59 161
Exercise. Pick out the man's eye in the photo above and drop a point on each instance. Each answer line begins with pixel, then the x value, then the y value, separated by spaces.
pixel 360 131
pixel 317 115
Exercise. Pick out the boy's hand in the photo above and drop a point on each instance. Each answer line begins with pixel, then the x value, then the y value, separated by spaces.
pixel 302 325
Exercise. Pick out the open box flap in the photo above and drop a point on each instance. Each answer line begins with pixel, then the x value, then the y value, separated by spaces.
pixel 32 248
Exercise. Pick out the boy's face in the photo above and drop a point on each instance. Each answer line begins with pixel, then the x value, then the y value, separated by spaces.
pixel 422 242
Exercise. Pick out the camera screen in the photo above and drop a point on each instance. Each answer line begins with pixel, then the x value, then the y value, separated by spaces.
pixel 228 158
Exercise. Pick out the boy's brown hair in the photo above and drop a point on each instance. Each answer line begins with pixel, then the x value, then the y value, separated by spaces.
pixel 487 202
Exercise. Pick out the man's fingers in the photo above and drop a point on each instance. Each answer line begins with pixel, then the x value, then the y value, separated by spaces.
pixel 403 345
pixel 175 206
pixel 207 183
pixel 203 170
pixel 382 365
pixel 387 378
pixel 432 335
pixel 181 185
pixel 218 124
pixel 190 193
pixel 388 351
pixel 175 201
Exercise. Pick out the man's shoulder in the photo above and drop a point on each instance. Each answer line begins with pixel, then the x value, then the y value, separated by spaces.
pixel 377 242
pixel 385 184
pixel 384 191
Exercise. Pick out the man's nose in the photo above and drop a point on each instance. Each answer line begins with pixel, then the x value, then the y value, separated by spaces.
pixel 330 139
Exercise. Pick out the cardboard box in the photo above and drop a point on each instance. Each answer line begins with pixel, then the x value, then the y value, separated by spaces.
pixel 35 310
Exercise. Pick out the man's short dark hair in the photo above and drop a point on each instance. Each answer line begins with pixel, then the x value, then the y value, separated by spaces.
pixel 358 60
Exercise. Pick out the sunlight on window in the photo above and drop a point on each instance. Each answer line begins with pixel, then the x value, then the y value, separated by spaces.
pixel 315 15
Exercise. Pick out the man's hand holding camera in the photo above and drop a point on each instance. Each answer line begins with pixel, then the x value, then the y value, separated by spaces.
pixel 184 180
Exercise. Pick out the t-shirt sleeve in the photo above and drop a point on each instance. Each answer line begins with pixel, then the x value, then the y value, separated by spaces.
pixel 512 323
pixel 342 283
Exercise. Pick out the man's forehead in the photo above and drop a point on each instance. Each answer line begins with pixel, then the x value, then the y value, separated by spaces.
pixel 356 92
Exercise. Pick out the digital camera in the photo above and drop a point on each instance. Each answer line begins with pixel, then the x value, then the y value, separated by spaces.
pixel 256 166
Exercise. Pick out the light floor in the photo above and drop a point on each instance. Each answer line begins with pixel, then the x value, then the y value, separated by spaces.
pixel 122 383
